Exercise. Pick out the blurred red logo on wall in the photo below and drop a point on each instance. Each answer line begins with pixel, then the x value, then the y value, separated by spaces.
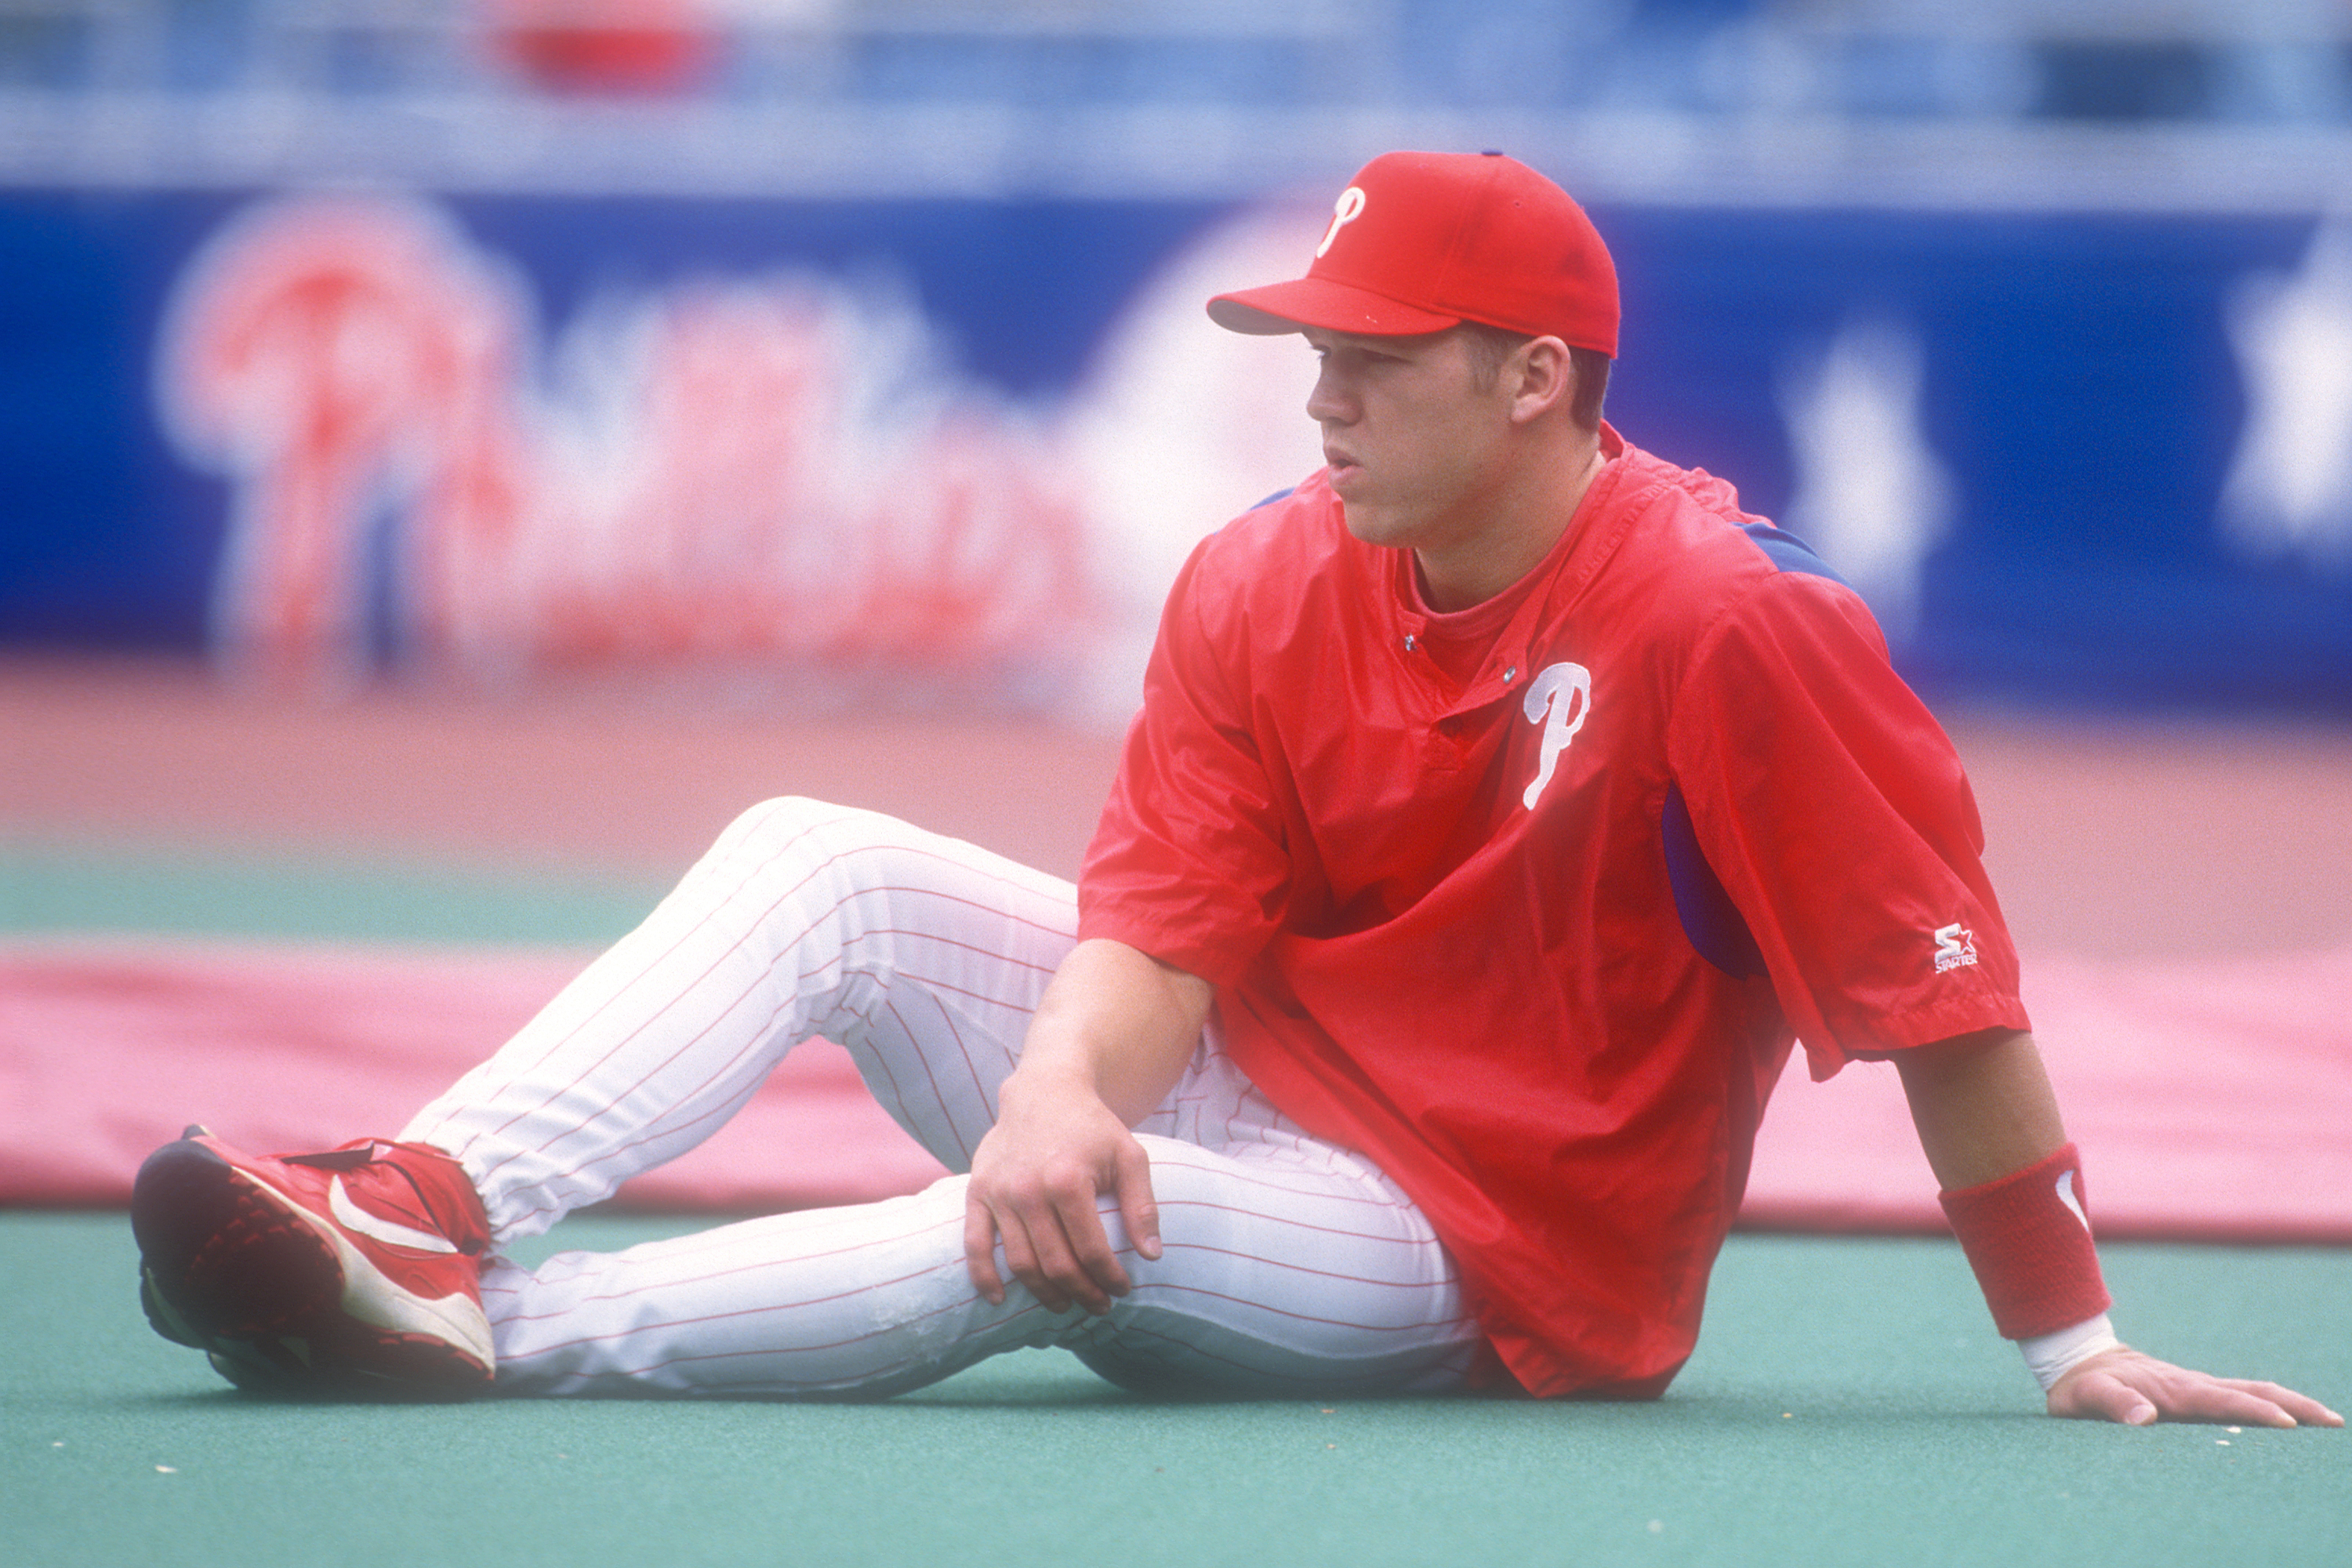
pixel 745 474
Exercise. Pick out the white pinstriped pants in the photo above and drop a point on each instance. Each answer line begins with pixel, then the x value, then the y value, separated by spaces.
pixel 1288 1265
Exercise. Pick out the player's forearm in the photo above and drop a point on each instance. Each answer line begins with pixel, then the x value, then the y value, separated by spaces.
pixel 1982 1105
pixel 1115 1023
pixel 2012 1190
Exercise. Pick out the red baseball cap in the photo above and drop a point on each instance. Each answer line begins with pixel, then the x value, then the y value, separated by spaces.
pixel 1422 241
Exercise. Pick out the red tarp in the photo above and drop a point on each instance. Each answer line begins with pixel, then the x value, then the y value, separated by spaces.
pixel 2212 1097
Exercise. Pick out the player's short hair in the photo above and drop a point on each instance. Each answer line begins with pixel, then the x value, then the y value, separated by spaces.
pixel 1490 346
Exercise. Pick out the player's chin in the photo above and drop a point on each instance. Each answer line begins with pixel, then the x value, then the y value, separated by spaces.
pixel 1374 524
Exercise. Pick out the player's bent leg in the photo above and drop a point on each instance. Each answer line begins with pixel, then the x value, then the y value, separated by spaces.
pixel 923 954
pixel 1283 1271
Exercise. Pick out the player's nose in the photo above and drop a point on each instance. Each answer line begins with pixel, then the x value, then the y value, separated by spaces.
pixel 1329 402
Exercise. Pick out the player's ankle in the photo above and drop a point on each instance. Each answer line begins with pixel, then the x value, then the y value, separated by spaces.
pixel 449 1193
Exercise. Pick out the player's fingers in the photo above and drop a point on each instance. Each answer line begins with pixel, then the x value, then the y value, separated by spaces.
pixel 2126 1386
pixel 1086 1267
pixel 1097 1276
pixel 1139 1210
pixel 2204 1398
pixel 979 1249
pixel 1045 1262
pixel 1031 1252
pixel 2093 1396
pixel 2211 1402
pixel 2305 1410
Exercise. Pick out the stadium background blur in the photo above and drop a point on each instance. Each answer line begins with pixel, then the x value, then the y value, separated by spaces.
pixel 846 353
pixel 453 454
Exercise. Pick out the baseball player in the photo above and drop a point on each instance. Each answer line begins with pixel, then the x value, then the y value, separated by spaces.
pixel 1504 804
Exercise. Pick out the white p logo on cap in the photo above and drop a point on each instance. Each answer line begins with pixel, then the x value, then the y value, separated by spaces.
pixel 1345 211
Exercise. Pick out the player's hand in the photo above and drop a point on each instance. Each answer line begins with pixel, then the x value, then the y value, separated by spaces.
pixel 1035 1178
pixel 2122 1384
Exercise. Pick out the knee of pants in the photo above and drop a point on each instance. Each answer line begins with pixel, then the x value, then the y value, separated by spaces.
pixel 792 835
pixel 776 823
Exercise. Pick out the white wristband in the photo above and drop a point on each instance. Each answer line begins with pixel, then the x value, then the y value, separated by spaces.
pixel 2052 1356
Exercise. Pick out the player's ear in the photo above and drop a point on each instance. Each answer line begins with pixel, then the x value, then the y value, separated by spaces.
pixel 1542 377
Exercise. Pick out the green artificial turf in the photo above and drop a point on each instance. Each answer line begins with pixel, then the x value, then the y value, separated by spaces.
pixel 1849 1405
pixel 45 889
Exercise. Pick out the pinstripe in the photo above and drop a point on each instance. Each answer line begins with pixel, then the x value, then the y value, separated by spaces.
pixel 983 1089
pixel 867 1244
pixel 765 1310
pixel 1288 1262
pixel 759 1038
pixel 653 964
pixel 1184 1354
pixel 540 1098
pixel 887 1374
pixel 1292 1222
pixel 1257 1304
pixel 930 1075
pixel 676 992
pixel 803 1344
pixel 1254 1167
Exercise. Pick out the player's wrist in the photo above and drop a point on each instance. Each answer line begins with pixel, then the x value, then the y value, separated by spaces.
pixel 1048 1087
pixel 2053 1355
pixel 2028 1237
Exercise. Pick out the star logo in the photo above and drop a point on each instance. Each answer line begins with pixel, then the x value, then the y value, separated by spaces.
pixel 1871 496
pixel 2289 489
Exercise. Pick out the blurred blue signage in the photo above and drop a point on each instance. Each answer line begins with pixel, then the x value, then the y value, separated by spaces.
pixel 956 449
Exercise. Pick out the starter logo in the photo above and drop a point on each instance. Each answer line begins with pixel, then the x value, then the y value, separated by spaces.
pixel 1955 947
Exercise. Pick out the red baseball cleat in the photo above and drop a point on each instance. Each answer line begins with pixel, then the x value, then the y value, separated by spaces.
pixel 351 1273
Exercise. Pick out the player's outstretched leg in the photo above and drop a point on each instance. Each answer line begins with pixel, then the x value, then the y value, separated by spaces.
pixel 861 1301
pixel 1289 1266
pixel 353 1271
pixel 1286 1270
